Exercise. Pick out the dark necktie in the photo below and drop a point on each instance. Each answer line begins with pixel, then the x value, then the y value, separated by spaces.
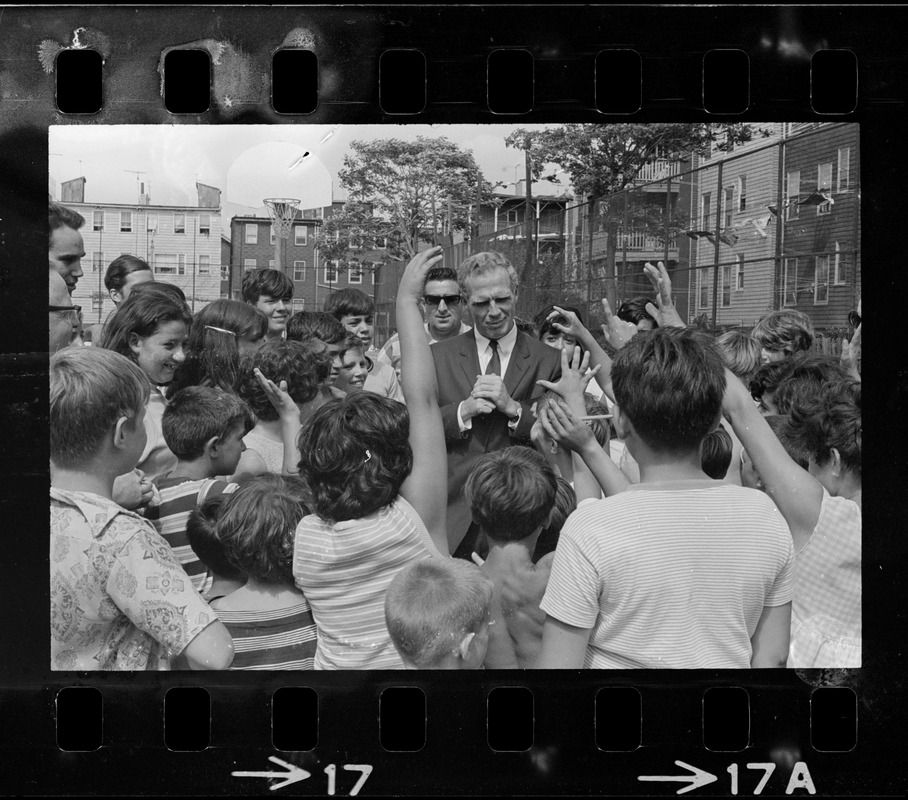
pixel 494 367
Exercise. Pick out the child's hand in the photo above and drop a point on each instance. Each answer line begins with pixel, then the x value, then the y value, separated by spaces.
pixel 132 490
pixel 278 396
pixel 413 280
pixel 574 376
pixel 851 352
pixel 617 332
pixel 666 315
pixel 566 428
pixel 571 326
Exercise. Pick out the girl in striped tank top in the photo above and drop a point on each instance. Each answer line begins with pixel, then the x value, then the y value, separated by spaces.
pixel 269 618
pixel 377 471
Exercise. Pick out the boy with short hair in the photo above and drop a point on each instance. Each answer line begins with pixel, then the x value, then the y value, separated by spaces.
pixel 438 613
pixel 204 428
pixel 356 312
pixel 270 291
pixel 511 493
pixel 679 570
pixel 202 533
pixel 119 598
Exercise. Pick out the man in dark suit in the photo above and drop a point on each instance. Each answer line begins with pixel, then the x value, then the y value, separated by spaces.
pixel 486 382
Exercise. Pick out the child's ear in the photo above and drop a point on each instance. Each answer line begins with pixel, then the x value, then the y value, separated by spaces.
pixel 836 462
pixel 212 446
pixel 134 341
pixel 119 435
pixel 619 422
pixel 464 649
pixel 716 423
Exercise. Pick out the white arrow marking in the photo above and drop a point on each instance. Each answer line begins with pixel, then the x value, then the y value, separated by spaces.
pixel 295 774
pixel 699 778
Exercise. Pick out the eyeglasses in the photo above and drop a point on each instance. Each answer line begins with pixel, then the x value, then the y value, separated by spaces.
pixel 435 299
pixel 854 319
pixel 76 309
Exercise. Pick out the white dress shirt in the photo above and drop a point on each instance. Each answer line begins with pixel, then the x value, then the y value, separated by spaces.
pixel 484 351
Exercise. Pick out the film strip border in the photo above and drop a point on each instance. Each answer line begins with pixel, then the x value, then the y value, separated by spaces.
pixel 615 76
pixel 512 737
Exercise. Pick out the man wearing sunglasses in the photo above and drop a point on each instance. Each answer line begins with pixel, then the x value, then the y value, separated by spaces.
pixel 63 316
pixel 442 310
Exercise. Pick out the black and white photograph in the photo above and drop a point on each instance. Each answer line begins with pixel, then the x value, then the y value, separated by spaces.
pixel 440 397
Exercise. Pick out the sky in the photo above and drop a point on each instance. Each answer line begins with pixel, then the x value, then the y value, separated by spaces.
pixel 247 162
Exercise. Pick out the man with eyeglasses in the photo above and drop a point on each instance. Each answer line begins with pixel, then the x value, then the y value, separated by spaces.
pixel 442 310
pixel 63 316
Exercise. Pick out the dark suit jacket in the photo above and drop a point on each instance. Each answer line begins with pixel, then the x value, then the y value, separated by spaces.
pixel 456 367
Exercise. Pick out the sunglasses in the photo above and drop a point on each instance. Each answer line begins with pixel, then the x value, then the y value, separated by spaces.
pixel 854 319
pixel 435 299
pixel 77 309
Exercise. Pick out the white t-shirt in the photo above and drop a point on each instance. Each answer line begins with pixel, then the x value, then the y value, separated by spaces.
pixel 671 574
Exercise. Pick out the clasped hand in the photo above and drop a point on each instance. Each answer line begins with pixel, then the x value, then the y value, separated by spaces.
pixel 491 389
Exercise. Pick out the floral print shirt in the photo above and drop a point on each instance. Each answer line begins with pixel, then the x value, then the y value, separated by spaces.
pixel 119 598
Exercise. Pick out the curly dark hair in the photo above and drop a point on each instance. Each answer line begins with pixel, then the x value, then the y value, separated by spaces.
pixel 831 419
pixel 355 454
pixel 301 365
pixel 257 526
pixel 808 374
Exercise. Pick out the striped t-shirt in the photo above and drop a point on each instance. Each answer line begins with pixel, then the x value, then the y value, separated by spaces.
pixel 282 639
pixel 671 574
pixel 179 497
pixel 344 569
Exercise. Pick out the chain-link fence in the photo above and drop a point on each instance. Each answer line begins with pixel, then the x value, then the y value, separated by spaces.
pixel 774 224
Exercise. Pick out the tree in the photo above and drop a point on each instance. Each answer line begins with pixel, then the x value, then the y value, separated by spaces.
pixel 603 160
pixel 415 191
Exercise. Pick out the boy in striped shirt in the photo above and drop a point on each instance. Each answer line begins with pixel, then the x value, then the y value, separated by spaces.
pixel 204 428
pixel 677 571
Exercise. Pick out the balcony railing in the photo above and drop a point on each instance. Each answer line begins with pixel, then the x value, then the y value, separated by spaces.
pixel 658 170
pixel 637 240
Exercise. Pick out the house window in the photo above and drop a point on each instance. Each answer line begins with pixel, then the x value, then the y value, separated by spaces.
pixel 97 262
pixel 204 265
pixel 270 263
pixel 225 272
pixel 511 219
pixel 824 184
pixel 702 289
pixel 355 272
pixel 792 192
pixel 330 272
pixel 179 223
pixel 181 264
pixel 299 270
pixel 842 255
pixel 205 224
pixel 791 282
pixel 821 281
pixel 252 233
pixel 844 171
pixel 705 203
pixel 165 264
pixel 742 193
pixel 728 206
pixel 126 222
pixel 300 235
pixel 248 263
pixel 313 213
pixel 151 222
pixel 272 234
pixel 97 220
pixel 739 274
pixel 298 305
pixel 375 268
pixel 381 242
pixel 726 286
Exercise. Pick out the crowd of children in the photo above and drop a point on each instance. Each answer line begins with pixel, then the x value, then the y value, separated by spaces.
pixel 249 489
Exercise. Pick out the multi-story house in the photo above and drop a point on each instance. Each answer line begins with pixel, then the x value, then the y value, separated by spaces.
pixel 820 272
pixel 252 246
pixel 777 225
pixel 180 243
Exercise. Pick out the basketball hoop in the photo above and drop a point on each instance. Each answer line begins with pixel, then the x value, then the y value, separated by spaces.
pixel 282 210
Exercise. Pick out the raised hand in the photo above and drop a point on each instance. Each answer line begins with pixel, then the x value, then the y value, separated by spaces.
pixel 666 315
pixel 566 428
pixel 617 332
pixel 571 326
pixel 278 396
pixel 851 352
pixel 413 279
pixel 574 376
